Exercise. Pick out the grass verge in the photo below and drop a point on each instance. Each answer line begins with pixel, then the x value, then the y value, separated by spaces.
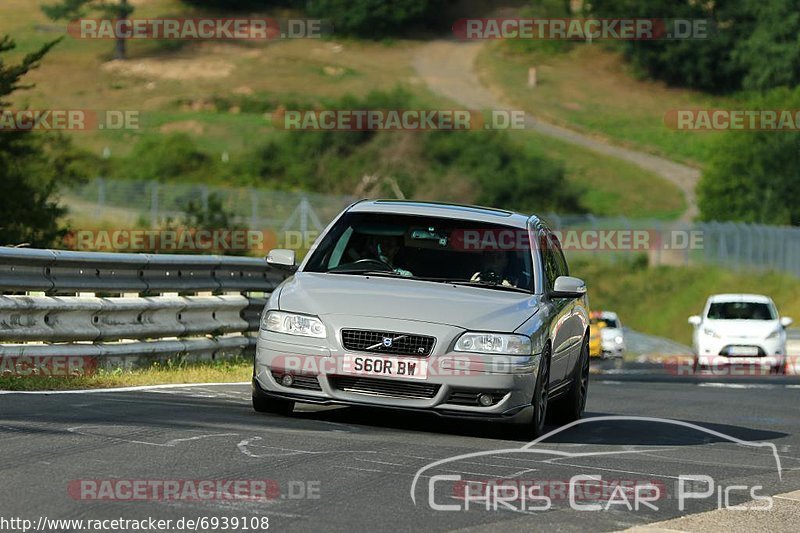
pixel 591 89
pixel 609 186
pixel 225 370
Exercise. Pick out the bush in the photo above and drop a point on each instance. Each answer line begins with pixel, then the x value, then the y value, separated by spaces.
pixel 508 176
pixel 378 19
pixel 755 176
pixel 493 169
pixel 242 5
pixel 173 157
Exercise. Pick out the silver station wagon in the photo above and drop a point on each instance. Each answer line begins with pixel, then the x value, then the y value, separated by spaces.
pixel 456 310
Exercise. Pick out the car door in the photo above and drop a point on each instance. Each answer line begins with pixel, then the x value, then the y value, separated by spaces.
pixel 562 309
pixel 575 323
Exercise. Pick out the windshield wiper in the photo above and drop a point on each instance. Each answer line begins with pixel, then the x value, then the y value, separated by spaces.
pixel 365 272
pixel 482 284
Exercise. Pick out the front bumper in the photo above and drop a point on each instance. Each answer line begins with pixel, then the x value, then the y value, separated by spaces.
pixel 717 353
pixel 452 377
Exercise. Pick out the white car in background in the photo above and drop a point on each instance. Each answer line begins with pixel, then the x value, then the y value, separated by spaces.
pixel 612 338
pixel 740 329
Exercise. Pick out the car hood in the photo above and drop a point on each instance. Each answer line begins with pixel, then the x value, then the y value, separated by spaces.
pixel 757 329
pixel 465 307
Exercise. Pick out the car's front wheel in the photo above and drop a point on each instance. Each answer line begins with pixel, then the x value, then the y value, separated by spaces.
pixel 571 407
pixel 541 396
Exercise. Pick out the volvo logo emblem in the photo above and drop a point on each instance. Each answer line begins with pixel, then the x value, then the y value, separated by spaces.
pixel 387 341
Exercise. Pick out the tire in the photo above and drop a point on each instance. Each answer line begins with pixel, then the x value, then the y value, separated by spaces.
pixel 265 404
pixel 571 407
pixel 541 396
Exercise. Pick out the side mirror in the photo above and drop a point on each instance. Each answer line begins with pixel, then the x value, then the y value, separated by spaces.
pixel 282 259
pixel 568 287
pixel 695 320
pixel 786 321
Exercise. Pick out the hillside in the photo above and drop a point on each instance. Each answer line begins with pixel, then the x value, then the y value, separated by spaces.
pixel 221 95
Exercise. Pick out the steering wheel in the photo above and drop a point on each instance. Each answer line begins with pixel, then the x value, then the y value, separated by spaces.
pixel 376 262
pixel 490 276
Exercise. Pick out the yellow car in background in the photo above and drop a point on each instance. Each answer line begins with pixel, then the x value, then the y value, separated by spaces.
pixel 606 335
pixel 595 338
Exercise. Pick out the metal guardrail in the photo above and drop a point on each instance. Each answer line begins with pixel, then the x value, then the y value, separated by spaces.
pixel 126 309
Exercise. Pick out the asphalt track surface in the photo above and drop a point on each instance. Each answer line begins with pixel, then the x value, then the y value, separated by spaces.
pixel 359 464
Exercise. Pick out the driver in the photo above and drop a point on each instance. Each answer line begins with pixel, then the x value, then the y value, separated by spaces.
pixel 494 269
pixel 387 248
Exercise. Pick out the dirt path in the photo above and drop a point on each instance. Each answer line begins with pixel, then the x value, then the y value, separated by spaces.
pixel 449 69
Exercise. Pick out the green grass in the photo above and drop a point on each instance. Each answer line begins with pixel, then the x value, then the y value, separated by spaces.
pixel 591 89
pixel 659 300
pixel 224 370
pixel 612 187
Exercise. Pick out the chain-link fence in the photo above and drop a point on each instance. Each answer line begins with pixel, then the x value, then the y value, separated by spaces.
pixel 731 245
pixel 154 204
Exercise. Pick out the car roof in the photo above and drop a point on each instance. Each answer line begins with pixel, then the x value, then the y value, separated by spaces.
pixel 758 298
pixel 443 210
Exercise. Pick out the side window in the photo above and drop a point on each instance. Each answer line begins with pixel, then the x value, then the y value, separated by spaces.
pixel 549 262
pixel 563 268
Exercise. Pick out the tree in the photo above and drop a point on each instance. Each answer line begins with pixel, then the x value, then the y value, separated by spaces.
pixel 379 18
pixel 241 5
pixel 508 175
pixel 700 63
pixel 771 52
pixel 755 176
pixel 73 9
pixel 32 166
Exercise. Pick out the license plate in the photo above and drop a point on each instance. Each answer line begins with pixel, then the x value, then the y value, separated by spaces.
pixel 743 350
pixel 397 367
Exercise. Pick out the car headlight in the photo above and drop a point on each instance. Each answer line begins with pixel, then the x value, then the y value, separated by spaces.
pixel 494 343
pixel 711 333
pixel 294 324
pixel 618 339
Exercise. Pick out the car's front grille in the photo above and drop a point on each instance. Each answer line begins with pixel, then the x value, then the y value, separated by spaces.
pixel 387 342
pixel 470 397
pixel 384 387
pixel 300 381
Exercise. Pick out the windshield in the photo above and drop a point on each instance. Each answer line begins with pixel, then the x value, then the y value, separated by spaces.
pixel 740 311
pixel 427 248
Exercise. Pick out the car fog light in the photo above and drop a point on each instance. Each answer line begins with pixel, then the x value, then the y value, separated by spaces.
pixel 287 380
pixel 485 400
